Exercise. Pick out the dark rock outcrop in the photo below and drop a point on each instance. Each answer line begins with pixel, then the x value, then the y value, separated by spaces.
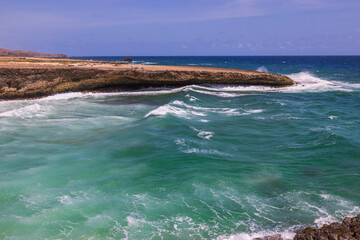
pixel 128 60
pixel 349 229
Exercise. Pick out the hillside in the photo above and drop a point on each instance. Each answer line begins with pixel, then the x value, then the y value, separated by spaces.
pixel 19 53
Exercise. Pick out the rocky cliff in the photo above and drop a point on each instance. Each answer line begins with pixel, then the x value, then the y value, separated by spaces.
pixel 32 78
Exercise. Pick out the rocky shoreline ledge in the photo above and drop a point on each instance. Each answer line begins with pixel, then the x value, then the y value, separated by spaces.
pixel 24 78
pixel 348 229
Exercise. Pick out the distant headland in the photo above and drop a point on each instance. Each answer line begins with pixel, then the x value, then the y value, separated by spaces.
pixel 20 53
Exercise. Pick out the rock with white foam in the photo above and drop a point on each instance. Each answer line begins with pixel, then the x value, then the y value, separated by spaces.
pixel 349 229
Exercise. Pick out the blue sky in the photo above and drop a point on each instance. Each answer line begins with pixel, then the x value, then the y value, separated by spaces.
pixel 182 27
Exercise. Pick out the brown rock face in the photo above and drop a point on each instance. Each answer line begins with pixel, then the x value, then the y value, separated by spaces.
pixel 33 78
pixel 349 229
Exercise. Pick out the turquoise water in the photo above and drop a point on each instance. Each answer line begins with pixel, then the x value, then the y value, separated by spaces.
pixel 198 162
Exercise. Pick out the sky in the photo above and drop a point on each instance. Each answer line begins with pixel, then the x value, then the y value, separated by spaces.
pixel 181 27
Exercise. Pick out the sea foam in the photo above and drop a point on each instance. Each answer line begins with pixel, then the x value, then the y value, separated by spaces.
pixel 304 82
pixel 183 110
pixel 286 235
pixel 30 111
pixel 262 69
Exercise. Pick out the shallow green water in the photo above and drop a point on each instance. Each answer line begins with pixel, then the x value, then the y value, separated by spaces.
pixel 195 162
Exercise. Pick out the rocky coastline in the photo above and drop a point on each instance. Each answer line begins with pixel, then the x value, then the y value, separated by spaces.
pixel 348 229
pixel 23 78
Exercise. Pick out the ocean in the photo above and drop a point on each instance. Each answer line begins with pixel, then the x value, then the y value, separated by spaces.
pixel 196 162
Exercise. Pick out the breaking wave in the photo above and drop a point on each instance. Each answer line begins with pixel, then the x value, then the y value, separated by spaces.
pixel 286 235
pixel 180 109
pixel 31 111
pixel 144 63
pixel 262 69
pixel 304 82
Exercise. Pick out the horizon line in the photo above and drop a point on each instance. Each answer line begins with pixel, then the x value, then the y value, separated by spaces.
pixel 332 55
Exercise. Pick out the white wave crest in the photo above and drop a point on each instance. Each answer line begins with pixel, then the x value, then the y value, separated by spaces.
pixel 262 69
pixel 216 93
pixel 304 82
pixel 183 110
pixel 203 134
pixel 307 82
pixel 225 111
pixel 143 92
pixel 205 151
pixel 286 235
pixel 144 63
pixel 31 111
pixel 64 96
pixel 173 110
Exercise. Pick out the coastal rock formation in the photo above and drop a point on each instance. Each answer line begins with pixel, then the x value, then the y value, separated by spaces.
pixel 34 78
pixel 19 53
pixel 128 59
pixel 349 229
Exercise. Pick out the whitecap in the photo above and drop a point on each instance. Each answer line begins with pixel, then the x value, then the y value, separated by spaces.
pixel 204 120
pixel 173 110
pixel 308 82
pixel 203 134
pixel 286 235
pixel 262 69
pixel 180 109
pixel 191 98
pixel 30 111
pixel 180 142
pixel 325 196
pixel 145 63
pixel 64 96
pixel 320 221
pixel 132 221
pixel 65 199
pixel 253 111
pixel 217 93
pixel 142 92
pixel 205 151
pixel 304 82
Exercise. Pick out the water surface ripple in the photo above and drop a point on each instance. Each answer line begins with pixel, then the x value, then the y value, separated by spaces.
pixel 197 162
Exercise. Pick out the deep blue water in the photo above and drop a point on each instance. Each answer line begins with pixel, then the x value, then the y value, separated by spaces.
pixel 323 66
